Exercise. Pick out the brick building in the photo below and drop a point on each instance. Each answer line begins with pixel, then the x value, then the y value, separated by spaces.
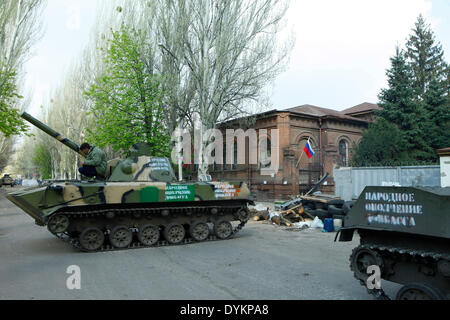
pixel 331 133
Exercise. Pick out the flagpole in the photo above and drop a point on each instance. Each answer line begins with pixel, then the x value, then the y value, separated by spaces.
pixel 301 156
pixel 180 157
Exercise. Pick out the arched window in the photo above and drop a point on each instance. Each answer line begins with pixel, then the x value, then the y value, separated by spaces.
pixel 235 155
pixel 343 152
pixel 214 166
pixel 224 154
pixel 265 152
pixel 227 165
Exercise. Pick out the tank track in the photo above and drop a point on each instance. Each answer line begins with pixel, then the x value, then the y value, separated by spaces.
pixel 379 294
pixel 135 244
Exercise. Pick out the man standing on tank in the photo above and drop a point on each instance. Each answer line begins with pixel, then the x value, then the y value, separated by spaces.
pixel 95 163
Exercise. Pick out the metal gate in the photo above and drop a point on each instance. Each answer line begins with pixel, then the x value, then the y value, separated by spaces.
pixel 308 177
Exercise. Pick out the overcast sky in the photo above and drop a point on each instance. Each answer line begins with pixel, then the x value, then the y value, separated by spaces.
pixel 341 55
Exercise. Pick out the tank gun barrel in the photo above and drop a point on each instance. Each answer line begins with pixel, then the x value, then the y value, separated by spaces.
pixel 72 145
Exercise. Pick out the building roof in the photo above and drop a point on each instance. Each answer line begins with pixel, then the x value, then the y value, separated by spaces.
pixel 362 108
pixel 321 112
pixel 444 152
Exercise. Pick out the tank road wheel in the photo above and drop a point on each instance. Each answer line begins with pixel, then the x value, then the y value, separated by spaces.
pixel 417 291
pixel 92 239
pixel 199 231
pixel 174 233
pixel 361 259
pixel 58 224
pixel 121 237
pixel 243 214
pixel 148 235
pixel 223 229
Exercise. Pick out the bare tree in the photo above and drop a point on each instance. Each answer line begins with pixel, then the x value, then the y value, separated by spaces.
pixel 5 151
pixel 225 52
pixel 214 56
pixel 20 28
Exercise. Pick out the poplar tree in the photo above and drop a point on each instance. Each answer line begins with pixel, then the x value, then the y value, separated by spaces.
pixel 19 30
pixel 127 98
pixel 224 53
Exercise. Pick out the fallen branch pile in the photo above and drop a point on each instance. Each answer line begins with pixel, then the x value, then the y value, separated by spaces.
pixel 286 217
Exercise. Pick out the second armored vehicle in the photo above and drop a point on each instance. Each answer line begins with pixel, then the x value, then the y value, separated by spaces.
pixel 7 181
pixel 140 204
pixel 405 233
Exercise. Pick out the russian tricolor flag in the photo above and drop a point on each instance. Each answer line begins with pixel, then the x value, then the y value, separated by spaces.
pixel 309 150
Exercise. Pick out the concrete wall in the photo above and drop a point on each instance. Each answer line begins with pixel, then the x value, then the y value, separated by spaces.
pixel 350 182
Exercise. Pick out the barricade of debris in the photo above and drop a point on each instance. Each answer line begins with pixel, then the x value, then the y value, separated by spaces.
pixel 312 210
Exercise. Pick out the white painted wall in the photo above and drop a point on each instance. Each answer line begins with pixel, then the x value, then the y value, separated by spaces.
pixel 445 171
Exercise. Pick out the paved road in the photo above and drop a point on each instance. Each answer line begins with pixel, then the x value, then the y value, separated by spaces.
pixel 261 262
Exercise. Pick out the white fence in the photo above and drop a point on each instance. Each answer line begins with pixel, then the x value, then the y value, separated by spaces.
pixel 350 182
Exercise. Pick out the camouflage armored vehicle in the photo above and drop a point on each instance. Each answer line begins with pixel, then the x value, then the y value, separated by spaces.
pixel 405 231
pixel 139 204
pixel 7 181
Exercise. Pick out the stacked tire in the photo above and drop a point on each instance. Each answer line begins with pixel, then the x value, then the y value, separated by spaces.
pixel 317 209
pixel 336 209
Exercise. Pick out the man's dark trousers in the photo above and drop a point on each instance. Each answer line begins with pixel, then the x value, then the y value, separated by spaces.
pixel 88 171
